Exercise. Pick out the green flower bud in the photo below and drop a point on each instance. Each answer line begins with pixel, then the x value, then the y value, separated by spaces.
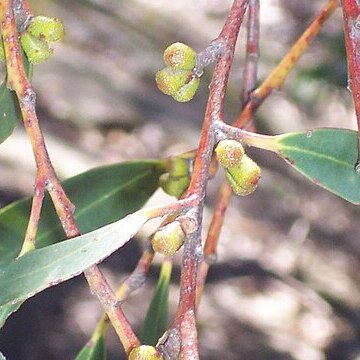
pixel 174 186
pixel 177 166
pixel 46 28
pixel 145 352
pixel 168 239
pixel 37 50
pixel 180 56
pixel 169 81
pixel 244 177
pixel 229 153
pixel 187 92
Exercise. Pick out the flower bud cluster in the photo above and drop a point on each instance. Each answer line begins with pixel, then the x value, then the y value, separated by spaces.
pixel 38 37
pixel 36 40
pixel 177 79
pixel 242 173
pixel 177 179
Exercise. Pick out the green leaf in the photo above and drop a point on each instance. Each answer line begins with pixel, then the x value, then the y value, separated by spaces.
pixel 2 357
pixel 93 350
pixel 325 156
pixel 9 106
pixel 156 321
pixel 101 196
pixel 51 265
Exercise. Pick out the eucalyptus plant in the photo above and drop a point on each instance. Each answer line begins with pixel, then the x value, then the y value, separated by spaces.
pixel 61 232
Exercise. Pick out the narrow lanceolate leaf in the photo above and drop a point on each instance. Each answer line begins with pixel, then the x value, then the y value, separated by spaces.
pixel 101 196
pixel 156 321
pixel 42 268
pixel 9 107
pixel 93 350
pixel 327 157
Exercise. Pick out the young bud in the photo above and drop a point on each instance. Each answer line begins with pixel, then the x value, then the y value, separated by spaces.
pixel 187 92
pixel 180 56
pixel 46 28
pixel 174 185
pixel 37 50
pixel 145 352
pixel 168 239
pixel 169 80
pixel 178 166
pixel 229 153
pixel 244 177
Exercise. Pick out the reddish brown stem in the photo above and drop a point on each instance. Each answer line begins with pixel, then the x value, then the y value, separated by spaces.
pixel 277 77
pixel 185 318
pixel 103 291
pixel 32 228
pixel 351 13
pixel 212 238
pixel 225 194
pixel 252 51
pixel 17 80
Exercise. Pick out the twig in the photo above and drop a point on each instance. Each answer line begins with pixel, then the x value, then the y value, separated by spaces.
pixel 252 52
pixel 212 238
pixel 46 177
pixel 225 193
pixel 185 319
pixel 273 81
pixel 277 77
pixel 351 12
pixel 133 282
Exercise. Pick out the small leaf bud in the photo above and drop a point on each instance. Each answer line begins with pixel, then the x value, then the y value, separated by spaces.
pixel 187 92
pixel 229 153
pixel 168 239
pixel 174 186
pixel 145 352
pixel 46 28
pixel 36 50
pixel 244 177
pixel 180 56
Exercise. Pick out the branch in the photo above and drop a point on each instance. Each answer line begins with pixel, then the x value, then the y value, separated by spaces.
pixel 277 77
pixel 185 322
pixel 275 80
pixel 46 177
pixel 225 194
pixel 351 12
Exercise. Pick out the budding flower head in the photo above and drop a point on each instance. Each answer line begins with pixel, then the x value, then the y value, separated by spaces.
pixel 244 177
pixel 169 80
pixel 174 185
pixel 145 352
pixel 168 239
pixel 229 153
pixel 178 166
pixel 180 56
pixel 36 49
pixel 46 28
pixel 187 92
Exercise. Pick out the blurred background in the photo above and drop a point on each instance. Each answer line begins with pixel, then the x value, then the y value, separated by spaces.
pixel 286 284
